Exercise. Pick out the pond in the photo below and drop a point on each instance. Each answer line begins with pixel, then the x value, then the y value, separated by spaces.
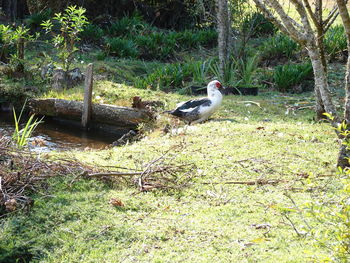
pixel 62 135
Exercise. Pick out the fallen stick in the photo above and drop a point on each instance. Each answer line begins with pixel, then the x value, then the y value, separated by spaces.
pixel 147 171
pixel 264 182
pixel 256 182
pixel 113 174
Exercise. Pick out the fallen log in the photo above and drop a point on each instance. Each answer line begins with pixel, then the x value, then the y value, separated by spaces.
pixel 101 113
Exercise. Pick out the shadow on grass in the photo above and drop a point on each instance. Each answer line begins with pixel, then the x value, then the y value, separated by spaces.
pixel 225 120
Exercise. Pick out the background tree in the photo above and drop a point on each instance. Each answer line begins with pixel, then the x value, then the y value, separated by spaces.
pixel 344 151
pixel 224 33
pixel 14 9
pixel 308 31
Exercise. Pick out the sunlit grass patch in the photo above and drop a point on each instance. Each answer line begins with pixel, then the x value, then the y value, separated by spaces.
pixel 216 216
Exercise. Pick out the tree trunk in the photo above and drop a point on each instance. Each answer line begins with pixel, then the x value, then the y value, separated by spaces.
pixel 223 25
pixel 321 84
pixel 344 153
pixel 10 7
pixel 320 110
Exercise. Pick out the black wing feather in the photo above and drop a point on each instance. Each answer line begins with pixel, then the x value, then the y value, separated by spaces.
pixel 191 104
pixel 194 103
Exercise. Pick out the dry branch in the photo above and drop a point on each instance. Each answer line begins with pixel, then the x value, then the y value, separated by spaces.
pixel 253 182
pixel 270 181
pixel 22 172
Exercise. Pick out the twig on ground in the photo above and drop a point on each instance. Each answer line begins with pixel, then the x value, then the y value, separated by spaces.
pixel 22 171
pixel 255 182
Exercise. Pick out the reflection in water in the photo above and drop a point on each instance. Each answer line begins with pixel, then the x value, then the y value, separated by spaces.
pixel 59 135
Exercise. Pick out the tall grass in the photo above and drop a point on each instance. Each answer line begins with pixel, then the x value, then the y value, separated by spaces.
pixel 21 136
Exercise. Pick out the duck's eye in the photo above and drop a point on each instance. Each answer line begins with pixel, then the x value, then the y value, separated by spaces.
pixel 218 85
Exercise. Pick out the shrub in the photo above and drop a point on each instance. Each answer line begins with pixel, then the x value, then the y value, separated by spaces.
pixel 70 24
pixel 257 25
pixel 246 69
pixel 229 76
pixel 191 39
pixel 187 39
pixel 335 41
pixel 288 76
pixel 12 45
pixel 92 33
pixel 277 47
pixel 170 77
pixel 157 45
pixel 200 72
pixel 121 47
pixel 207 37
pixel 128 26
pixel 35 20
pixel 147 46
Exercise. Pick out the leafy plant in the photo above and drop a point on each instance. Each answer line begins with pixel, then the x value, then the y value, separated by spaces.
pixel 207 37
pixel 229 77
pixel 288 76
pixel 156 45
pixel 35 20
pixel 335 41
pixel 258 25
pixel 121 47
pixel 246 69
pixel 277 47
pixel 21 136
pixel 128 26
pixel 200 72
pixel 188 39
pixel 170 77
pixel 14 38
pixel 92 33
pixel 70 24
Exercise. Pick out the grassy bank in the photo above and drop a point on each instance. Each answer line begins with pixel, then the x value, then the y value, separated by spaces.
pixel 211 218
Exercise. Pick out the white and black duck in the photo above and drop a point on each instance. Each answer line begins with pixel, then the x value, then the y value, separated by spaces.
pixel 199 110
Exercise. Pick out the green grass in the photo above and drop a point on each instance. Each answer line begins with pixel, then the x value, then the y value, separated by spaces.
pixel 206 220
pixel 249 138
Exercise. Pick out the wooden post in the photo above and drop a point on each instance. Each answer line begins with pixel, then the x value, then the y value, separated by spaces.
pixel 86 116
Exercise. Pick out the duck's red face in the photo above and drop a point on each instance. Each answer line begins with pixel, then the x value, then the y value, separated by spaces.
pixel 218 85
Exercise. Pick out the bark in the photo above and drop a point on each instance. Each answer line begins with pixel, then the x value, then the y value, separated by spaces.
pixel 105 114
pixel 224 36
pixel 20 48
pixel 10 8
pixel 344 153
pixel 344 14
pixel 320 110
pixel 321 82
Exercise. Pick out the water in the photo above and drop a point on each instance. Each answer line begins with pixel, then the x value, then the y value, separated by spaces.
pixel 62 135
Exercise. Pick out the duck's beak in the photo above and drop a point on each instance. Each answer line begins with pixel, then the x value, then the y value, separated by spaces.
pixel 222 88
